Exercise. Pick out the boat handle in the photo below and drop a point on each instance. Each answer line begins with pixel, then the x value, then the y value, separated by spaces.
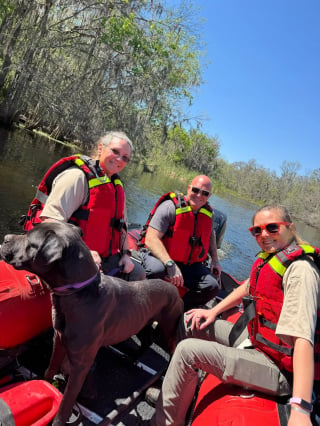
pixel 33 280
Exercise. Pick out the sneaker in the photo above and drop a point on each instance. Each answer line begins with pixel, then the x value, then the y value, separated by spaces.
pixel 152 395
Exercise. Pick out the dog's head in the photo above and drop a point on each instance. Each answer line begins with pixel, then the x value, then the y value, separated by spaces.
pixel 50 249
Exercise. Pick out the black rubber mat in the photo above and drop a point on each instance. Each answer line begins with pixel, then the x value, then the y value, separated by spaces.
pixel 115 384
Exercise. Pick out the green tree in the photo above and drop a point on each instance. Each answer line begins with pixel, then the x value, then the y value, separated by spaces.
pixel 76 68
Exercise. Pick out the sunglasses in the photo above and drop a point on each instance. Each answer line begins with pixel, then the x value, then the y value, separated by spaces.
pixel 271 228
pixel 124 158
pixel 196 190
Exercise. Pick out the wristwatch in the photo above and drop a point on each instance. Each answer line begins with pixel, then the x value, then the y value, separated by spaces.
pixel 303 404
pixel 128 252
pixel 170 263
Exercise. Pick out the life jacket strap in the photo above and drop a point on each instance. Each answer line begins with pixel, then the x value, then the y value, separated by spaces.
pixel 267 323
pixel 278 348
pixel 117 224
pixel 248 314
pixel 41 196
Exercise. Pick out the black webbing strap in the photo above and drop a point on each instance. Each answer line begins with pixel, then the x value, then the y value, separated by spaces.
pixel 6 417
pixel 248 314
pixel 283 349
pixel 283 413
pixel 267 323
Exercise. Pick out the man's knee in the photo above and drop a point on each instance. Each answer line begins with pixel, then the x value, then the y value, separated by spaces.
pixel 209 283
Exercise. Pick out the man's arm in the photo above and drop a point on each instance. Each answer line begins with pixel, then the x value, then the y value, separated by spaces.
pixel 155 245
pixel 163 218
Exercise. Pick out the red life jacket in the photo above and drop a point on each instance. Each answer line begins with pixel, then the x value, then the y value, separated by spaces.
pixel 100 218
pixel 187 241
pixel 266 289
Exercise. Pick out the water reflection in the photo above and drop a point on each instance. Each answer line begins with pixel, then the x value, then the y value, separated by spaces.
pixel 24 159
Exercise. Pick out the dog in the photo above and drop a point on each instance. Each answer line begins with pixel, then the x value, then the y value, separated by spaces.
pixel 90 310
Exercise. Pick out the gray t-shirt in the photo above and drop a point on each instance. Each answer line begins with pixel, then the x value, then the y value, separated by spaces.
pixel 164 217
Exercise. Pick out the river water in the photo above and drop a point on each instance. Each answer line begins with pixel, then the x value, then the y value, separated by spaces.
pixel 25 157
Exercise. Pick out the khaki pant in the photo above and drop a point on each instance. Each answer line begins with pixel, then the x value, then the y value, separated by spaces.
pixel 209 351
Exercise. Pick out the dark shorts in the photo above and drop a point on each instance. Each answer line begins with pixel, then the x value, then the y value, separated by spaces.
pixel 202 285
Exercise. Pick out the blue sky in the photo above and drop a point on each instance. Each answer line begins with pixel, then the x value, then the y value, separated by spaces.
pixel 262 86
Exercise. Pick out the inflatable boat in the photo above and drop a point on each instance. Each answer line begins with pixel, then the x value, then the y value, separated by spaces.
pixel 25 312
pixel 25 306
pixel 223 404
pixel 34 402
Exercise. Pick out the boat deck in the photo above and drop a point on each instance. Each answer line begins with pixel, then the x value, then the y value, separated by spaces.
pixel 119 381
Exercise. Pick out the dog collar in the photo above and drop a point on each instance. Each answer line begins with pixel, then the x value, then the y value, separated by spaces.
pixel 75 286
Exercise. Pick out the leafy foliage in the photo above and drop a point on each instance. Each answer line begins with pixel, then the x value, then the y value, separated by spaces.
pixel 76 68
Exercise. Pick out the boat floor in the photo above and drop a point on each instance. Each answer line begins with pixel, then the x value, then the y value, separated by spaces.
pixel 120 383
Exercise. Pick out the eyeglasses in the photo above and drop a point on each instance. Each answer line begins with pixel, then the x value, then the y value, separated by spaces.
pixel 271 228
pixel 203 192
pixel 124 158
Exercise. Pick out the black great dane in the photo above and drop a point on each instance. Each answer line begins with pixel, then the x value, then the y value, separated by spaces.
pixel 90 310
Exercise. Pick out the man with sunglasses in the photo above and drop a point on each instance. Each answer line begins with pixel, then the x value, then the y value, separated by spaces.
pixel 274 347
pixel 88 192
pixel 177 239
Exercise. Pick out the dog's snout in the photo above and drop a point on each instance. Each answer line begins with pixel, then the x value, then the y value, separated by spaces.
pixel 5 248
pixel 7 238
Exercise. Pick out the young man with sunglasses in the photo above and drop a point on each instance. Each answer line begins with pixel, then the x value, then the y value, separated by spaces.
pixel 274 347
pixel 178 237
pixel 89 193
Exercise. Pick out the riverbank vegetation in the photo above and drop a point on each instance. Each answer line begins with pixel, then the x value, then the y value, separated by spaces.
pixel 74 68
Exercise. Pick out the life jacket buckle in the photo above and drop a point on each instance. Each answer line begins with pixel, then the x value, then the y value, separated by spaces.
pixel 194 241
pixel 117 224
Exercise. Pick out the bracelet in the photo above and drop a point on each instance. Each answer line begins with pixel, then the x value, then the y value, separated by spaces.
pixel 307 406
pixel 301 410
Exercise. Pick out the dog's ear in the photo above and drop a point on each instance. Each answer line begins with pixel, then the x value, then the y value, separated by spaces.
pixel 50 249
pixel 78 229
